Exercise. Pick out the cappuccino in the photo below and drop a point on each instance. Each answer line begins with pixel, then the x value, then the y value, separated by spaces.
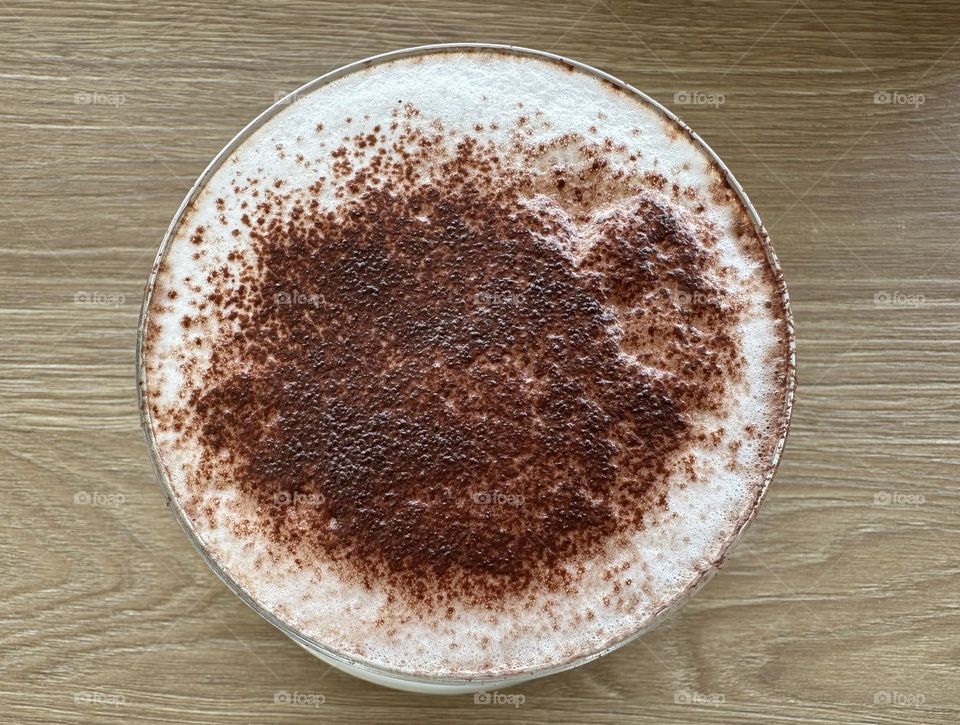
pixel 467 366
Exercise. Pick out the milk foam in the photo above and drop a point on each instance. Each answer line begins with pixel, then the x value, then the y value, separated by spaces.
pixel 618 594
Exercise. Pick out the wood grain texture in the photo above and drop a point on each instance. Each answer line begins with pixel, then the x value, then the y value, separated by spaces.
pixel 841 604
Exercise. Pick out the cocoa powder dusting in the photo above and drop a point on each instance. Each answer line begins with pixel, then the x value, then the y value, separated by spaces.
pixel 465 378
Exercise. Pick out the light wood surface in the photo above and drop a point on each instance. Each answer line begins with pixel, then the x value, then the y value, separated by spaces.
pixel 843 602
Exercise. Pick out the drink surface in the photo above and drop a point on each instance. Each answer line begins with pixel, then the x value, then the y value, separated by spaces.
pixel 467 364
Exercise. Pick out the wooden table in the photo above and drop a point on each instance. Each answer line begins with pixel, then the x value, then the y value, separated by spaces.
pixel 841 604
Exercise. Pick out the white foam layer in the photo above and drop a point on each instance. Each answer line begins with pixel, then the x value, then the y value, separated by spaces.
pixel 616 595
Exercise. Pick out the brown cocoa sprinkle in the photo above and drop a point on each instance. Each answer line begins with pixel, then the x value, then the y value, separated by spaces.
pixel 426 387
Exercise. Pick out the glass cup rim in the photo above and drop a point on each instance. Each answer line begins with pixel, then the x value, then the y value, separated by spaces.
pixel 379 671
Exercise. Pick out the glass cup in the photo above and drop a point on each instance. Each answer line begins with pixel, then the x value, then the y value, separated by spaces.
pixel 365 670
